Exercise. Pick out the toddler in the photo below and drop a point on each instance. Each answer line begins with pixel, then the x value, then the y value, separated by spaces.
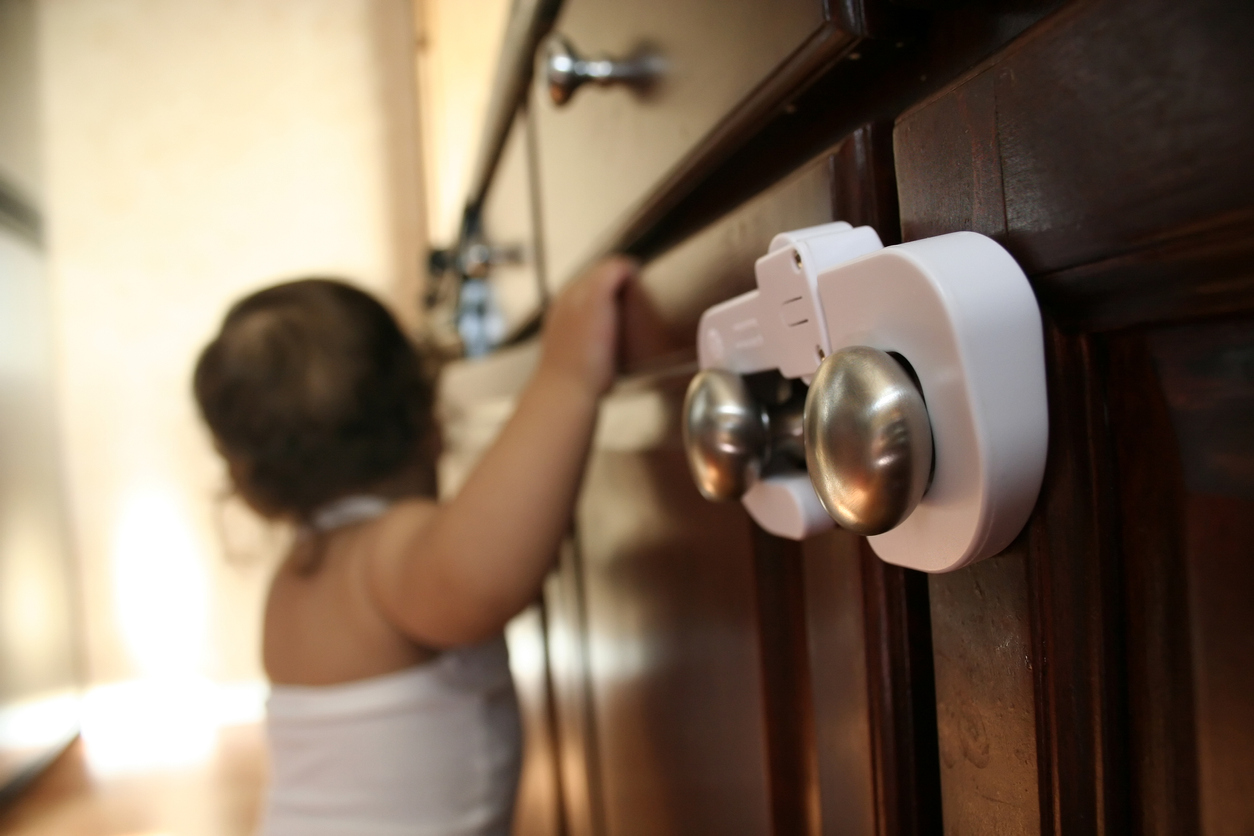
pixel 392 710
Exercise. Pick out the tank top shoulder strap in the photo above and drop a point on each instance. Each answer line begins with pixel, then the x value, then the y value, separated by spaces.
pixel 348 510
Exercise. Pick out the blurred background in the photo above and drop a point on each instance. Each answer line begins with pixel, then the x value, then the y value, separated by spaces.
pixel 158 159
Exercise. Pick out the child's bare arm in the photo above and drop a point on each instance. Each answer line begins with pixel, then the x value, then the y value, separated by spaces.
pixel 455 575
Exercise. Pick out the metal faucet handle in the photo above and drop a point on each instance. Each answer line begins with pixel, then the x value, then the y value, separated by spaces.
pixel 566 71
pixel 868 440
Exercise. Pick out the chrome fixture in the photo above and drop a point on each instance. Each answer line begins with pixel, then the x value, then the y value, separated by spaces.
pixel 868 440
pixel 566 71
pixel 731 438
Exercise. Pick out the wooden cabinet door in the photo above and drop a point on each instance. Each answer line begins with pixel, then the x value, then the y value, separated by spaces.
pixel 672 713
pixel 1096 677
pixel 710 678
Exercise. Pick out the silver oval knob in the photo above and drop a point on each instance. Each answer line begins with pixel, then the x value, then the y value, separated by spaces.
pixel 725 434
pixel 868 440
pixel 566 71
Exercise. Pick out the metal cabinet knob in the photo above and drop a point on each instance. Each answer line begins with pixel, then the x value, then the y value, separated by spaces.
pixel 566 71
pixel 868 440
pixel 725 434
pixel 731 438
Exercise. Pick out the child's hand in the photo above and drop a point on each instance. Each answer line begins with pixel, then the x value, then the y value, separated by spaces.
pixel 455 576
pixel 581 328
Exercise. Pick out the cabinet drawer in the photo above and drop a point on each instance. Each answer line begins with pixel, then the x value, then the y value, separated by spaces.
pixel 609 151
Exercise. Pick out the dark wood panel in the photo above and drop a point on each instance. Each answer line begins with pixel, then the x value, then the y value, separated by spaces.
pixel 986 717
pixel 1219 543
pixel 1162 755
pixel 1109 128
pixel 1207 372
pixel 1094 678
pixel 949 164
pixel 1123 121
pixel 1182 410
pixel 902 698
pixel 672 630
pixel 1074 580
pixel 838 663
pixel 1207 376
pixel 1103 149
pixel 864 181
pixel 793 758
pixel 1199 272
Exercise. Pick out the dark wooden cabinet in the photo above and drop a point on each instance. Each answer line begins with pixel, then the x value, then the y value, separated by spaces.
pixel 1097 676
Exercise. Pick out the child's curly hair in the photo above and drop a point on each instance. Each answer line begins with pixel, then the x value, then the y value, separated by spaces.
pixel 313 392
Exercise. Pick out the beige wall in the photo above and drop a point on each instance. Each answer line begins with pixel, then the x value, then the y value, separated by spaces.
pixel 459 44
pixel 194 151
pixel 39 659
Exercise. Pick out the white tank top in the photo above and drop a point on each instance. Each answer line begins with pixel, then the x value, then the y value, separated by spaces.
pixel 432 750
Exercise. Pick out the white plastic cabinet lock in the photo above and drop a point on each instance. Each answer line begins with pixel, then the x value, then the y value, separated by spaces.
pixel 925 425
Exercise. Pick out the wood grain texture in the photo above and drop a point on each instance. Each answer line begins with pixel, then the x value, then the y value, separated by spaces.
pixel 949 164
pixel 1182 409
pixel 985 689
pixel 1103 150
pixel 1076 607
pixel 902 698
pixel 671 626
pixel 1162 778
pixel 836 635
pixel 1207 373
pixel 1207 377
pixel 1109 134
pixel 1201 271
pixel 786 686
pixel 1119 122
pixel 1219 542
pixel 864 181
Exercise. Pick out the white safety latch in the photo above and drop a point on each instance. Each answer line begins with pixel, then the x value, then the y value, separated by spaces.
pixel 925 424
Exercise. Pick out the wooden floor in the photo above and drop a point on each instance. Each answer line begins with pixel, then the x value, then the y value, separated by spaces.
pixel 220 797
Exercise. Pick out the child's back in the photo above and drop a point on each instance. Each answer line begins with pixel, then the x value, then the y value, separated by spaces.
pixel 392 709
pixel 367 727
